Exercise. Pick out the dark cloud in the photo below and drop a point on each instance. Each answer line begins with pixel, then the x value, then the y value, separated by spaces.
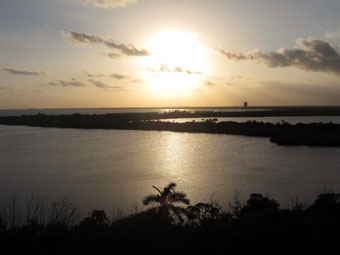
pixel 100 84
pixel 21 72
pixel 71 83
pixel 108 3
pixel 84 38
pixel 309 55
pixel 209 84
pixel 127 49
pixel 119 76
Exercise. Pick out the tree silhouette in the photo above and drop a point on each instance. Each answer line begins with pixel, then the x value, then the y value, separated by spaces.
pixel 166 200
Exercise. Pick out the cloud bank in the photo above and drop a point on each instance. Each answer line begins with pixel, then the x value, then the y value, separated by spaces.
pixel 108 3
pixel 84 38
pixel 21 72
pixel 309 55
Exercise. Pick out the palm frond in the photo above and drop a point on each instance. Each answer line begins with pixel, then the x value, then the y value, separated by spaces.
pixel 150 199
pixel 170 187
pixel 183 200
pixel 157 189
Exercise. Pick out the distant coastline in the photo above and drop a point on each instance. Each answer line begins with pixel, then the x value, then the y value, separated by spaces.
pixel 275 110
pixel 313 134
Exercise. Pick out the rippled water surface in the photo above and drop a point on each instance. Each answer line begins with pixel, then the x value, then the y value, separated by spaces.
pixel 115 169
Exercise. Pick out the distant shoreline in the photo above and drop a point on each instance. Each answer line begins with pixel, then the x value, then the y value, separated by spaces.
pixel 313 134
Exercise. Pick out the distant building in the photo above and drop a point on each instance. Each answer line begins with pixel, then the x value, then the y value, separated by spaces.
pixel 245 105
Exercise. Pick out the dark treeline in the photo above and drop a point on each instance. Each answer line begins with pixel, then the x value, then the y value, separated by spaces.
pixel 314 134
pixel 258 225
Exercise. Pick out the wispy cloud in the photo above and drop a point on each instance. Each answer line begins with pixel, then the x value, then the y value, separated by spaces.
pixel 193 72
pixel 209 84
pixel 176 69
pixel 108 3
pixel 119 76
pixel 113 55
pixel 85 38
pixel 165 68
pixel 102 85
pixel 22 72
pixel 240 77
pixel 93 75
pixel 71 83
pixel 309 55
pixel 116 76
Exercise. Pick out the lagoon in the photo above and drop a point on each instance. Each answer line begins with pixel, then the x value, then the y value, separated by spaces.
pixel 115 169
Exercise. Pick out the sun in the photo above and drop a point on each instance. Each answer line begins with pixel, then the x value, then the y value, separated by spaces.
pixel 176 63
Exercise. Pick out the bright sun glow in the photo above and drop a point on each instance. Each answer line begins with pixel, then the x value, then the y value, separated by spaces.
pixel 176 63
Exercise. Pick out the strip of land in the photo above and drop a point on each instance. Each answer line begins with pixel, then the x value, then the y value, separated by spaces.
pixel 314 134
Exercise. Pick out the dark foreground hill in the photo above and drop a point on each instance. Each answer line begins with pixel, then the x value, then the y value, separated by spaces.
pixel 257 226
pixel 314 134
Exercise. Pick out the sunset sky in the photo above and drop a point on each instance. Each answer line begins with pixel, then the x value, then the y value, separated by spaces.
pixel 157 53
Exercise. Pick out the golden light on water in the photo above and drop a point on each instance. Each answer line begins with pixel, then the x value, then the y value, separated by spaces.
pixel 177 61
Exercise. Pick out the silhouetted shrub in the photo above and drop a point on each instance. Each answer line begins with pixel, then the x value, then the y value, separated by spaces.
pixel 258 203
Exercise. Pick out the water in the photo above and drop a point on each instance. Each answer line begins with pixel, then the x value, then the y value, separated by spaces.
pixel 274 120
pixel 18 112
pixel 115 169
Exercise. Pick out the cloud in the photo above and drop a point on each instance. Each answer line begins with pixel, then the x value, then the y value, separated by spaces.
pixel 209 84
pixel 191 72
pixel 119 76
pixel 176 69
pixel 108 3
pixel 71 83
pixel 21 72
pixel 100 84
pixel 165 68
pixel 85 38
pixel 127 49
pixel 93 75
pixel 309 55
pixel 113 55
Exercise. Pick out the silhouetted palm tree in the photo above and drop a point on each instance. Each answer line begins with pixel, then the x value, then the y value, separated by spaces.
pixel 166 200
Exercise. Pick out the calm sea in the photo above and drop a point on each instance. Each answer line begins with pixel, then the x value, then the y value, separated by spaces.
pixel 115 169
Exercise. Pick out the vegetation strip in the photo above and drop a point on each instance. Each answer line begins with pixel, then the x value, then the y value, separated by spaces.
pixel 314 134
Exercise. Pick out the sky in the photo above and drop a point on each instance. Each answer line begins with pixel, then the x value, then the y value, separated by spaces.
pixel 178 53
